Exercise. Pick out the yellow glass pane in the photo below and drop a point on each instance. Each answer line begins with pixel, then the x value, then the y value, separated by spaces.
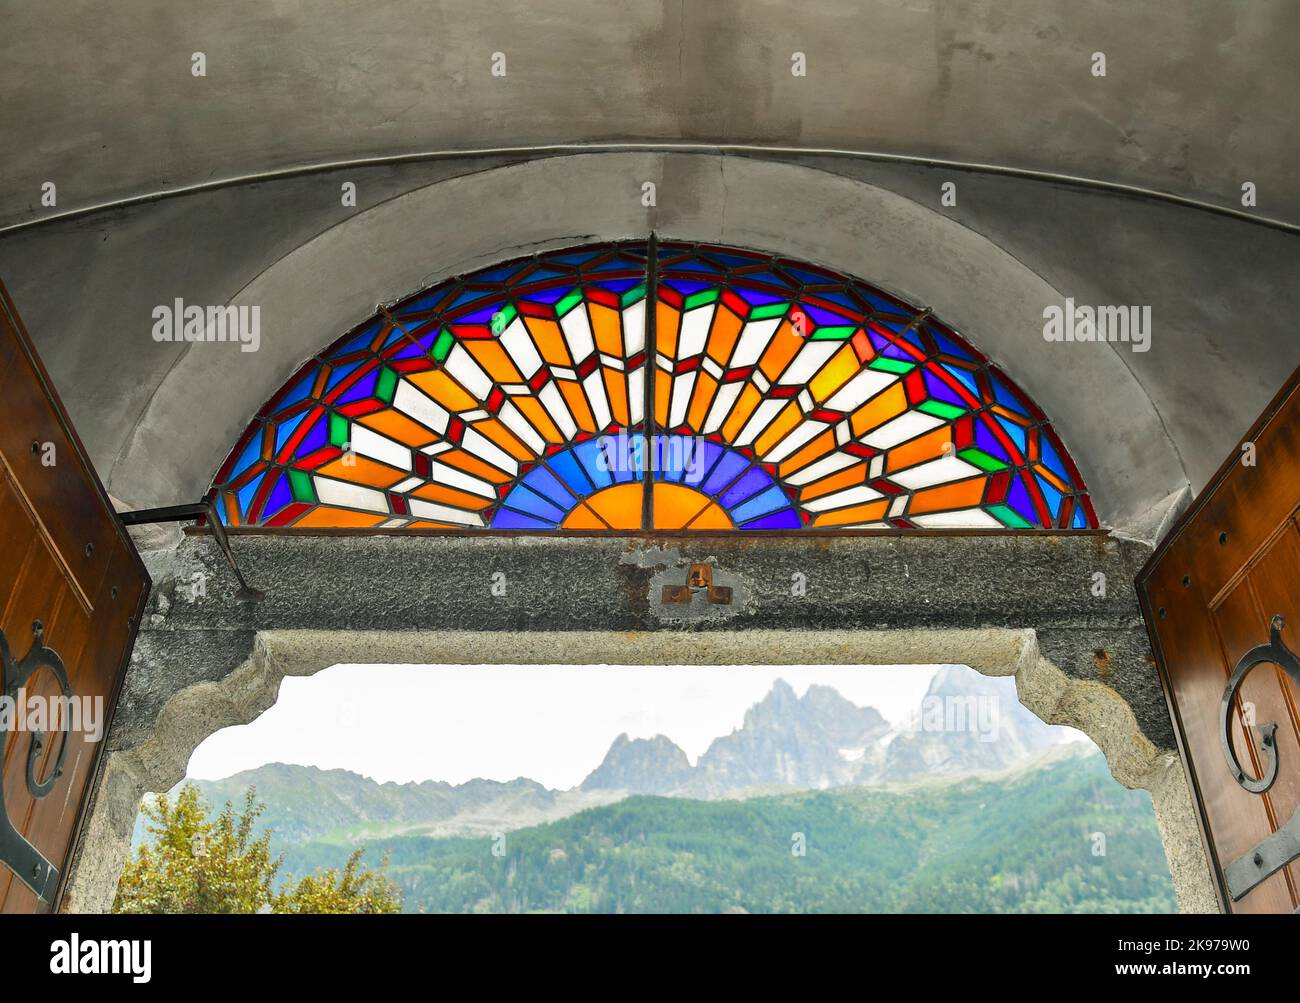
pixel 842 367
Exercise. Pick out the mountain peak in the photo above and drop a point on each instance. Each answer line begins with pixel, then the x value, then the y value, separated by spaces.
pixel 641 765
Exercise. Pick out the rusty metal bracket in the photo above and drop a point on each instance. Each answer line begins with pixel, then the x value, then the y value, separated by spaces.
pixel 698 579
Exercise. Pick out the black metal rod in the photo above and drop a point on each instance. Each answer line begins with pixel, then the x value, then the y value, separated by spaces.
pixel 189 513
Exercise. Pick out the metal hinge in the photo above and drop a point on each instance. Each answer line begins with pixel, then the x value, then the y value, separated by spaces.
pixel 699 579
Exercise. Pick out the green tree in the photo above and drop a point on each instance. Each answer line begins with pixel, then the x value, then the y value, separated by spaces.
pixel 198 864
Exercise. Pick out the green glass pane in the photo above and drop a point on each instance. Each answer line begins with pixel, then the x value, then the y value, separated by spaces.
pixel 981 459
pixel 502 318
pixel 941 409
pixel 885 364
pixel 300 482
pixel 442 347
pixel 1008 517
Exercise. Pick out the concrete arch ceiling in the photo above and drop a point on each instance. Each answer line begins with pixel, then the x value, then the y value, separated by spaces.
pixel 333 282
pixel 1199 95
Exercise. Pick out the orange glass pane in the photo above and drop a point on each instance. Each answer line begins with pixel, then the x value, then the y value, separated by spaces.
pixel 888 404
pixel 327 516
pixel 722 338
pixel 462 460
pixel 815 450
pixel 784 422
pixel 872 511
pixel 607 327
pixel 783 347
pixel 503 437
pixel 846 478
pixel 491 355
pixel 452 496
pixel 616 386
pixel 619 506
pixel 363 470
pixel 701 398
pixel 537 415
pixel 443 389
pixel 583 518
pixel 675 506
pixel 713 517
pixel 963 494
pixel 396 425
pixel 667 321
pixel 550 340
pixel 748 400
pixel 928 446
pixel 578 404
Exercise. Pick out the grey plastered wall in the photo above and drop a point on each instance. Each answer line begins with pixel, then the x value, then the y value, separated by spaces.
pixel 157 418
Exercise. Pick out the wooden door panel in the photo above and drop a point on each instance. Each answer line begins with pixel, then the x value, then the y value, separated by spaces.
pixel 1209 594
pixel 67 569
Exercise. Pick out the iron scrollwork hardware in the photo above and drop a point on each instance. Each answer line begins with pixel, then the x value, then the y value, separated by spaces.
pixel 27 862
pixel 1283 846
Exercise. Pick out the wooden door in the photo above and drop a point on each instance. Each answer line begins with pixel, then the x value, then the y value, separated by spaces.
pixel 72 588
pixel 1221 598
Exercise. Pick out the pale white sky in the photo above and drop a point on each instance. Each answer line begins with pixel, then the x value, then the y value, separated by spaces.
pixel 552 723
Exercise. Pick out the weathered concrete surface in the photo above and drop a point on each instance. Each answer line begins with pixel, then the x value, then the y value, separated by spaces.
pixel 101 99
pixel 405 583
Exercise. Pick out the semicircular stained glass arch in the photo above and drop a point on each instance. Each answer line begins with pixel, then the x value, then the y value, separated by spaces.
pixel 783 396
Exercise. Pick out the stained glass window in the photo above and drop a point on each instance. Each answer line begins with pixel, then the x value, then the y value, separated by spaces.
pixel 780 396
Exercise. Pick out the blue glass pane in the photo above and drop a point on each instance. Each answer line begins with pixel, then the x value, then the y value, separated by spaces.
pixel 509 519
pixel 752 481
pixel 531 503
pixel 286 429
pixel 548 485
pixel 727 469
pixel 566 466
pixel 280 497
pixel 595 461
pixel 771 499
pixel 785 519
pixel 251 452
